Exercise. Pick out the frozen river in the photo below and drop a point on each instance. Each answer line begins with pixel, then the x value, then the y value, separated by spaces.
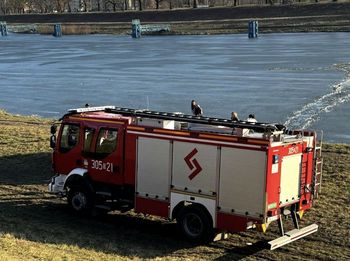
pixel 301 80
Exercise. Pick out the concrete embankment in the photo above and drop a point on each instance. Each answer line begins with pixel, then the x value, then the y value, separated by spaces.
pixel 266 25
pixel 294 18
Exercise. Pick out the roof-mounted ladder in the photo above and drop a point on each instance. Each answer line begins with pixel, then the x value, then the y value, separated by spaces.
pixel 258 126
pixel 317 168
pixel 193 119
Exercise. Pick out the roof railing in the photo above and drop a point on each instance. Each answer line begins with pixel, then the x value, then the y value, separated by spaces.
pixel 257 126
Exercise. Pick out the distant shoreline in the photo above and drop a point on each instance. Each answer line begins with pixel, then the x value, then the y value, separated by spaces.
pixel 329 17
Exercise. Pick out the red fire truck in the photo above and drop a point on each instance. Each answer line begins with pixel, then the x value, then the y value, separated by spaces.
pixel 208 174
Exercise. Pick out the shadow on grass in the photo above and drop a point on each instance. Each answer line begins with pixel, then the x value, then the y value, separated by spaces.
pixel 28 169
pixel 30 213
pixel 242 252
pixel 27 211
pixel 118 234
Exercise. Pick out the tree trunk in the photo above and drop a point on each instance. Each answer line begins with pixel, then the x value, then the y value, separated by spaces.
pixel 140 5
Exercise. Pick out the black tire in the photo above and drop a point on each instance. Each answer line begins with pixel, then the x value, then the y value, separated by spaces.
pixel 196 224
pixel 80 200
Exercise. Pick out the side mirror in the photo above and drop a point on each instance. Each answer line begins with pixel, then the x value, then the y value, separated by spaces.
pixel 53 129
pixel 52 141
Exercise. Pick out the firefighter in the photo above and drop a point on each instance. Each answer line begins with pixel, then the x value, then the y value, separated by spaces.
pixel 73 133
pixel 251 118
pixel 234 116
pixel 196 109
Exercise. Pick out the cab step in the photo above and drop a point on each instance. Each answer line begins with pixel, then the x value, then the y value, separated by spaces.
pixel 104 207
pixel 292 235
pixel 104 193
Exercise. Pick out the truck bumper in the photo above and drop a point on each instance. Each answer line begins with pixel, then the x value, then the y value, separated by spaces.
pixel 56 185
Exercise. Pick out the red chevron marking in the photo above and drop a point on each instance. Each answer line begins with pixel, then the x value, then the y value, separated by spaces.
pixel 188 158
pixel 196 171
pixel 193 164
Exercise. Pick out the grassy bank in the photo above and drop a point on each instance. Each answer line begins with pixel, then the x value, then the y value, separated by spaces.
pixel 35 225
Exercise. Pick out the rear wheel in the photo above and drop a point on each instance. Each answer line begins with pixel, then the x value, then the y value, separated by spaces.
pixel 80 200
pixel 196 224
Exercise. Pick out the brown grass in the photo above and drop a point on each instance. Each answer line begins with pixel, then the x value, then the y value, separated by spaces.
pixel 35 225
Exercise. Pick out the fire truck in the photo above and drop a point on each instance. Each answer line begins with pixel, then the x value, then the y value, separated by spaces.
pixel 211 175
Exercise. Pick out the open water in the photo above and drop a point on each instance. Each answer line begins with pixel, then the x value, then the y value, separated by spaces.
pixel 302 80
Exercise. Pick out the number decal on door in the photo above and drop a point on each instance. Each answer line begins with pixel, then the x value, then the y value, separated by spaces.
pixel 100 165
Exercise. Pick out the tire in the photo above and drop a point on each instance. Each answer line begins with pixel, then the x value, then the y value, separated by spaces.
pixel 80 200
pixel 196 224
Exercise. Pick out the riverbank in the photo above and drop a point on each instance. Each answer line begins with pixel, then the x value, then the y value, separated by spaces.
pixel 329 17
pixel 44 227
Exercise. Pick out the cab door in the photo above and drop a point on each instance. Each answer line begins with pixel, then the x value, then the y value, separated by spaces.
pixel 67 154
pixel 103 153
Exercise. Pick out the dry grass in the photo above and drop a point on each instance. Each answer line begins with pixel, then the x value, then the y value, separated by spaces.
pixel 35 225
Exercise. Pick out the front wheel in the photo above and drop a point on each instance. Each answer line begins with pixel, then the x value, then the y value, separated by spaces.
pixel 196 224
pixel 80 200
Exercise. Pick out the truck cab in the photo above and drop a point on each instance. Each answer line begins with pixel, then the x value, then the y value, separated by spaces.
pixel 89 156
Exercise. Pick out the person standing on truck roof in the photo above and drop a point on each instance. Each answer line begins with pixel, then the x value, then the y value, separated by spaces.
pixel 234 116
pixel 196 109
pixel 251 118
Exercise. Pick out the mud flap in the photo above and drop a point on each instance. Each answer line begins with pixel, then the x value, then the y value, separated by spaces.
pixel 292 235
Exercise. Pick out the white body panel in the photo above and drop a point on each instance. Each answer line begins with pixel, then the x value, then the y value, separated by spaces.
pixel 163 124
pixel 153 167
pixel 290 178
pixel 205 160
pixel 242 181
pixel 309 140
pixel 209 203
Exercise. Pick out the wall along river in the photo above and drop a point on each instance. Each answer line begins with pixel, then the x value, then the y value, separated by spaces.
pixel 301 79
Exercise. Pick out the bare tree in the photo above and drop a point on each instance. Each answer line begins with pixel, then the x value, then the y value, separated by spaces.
pixel 4 7
pixel 98 2
pixel 158 3
pixel 67 6
pixel 15 6
pixel 117 4
pixel 40 6
pixel 85 5
pixel 140 4
pixel 59 6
